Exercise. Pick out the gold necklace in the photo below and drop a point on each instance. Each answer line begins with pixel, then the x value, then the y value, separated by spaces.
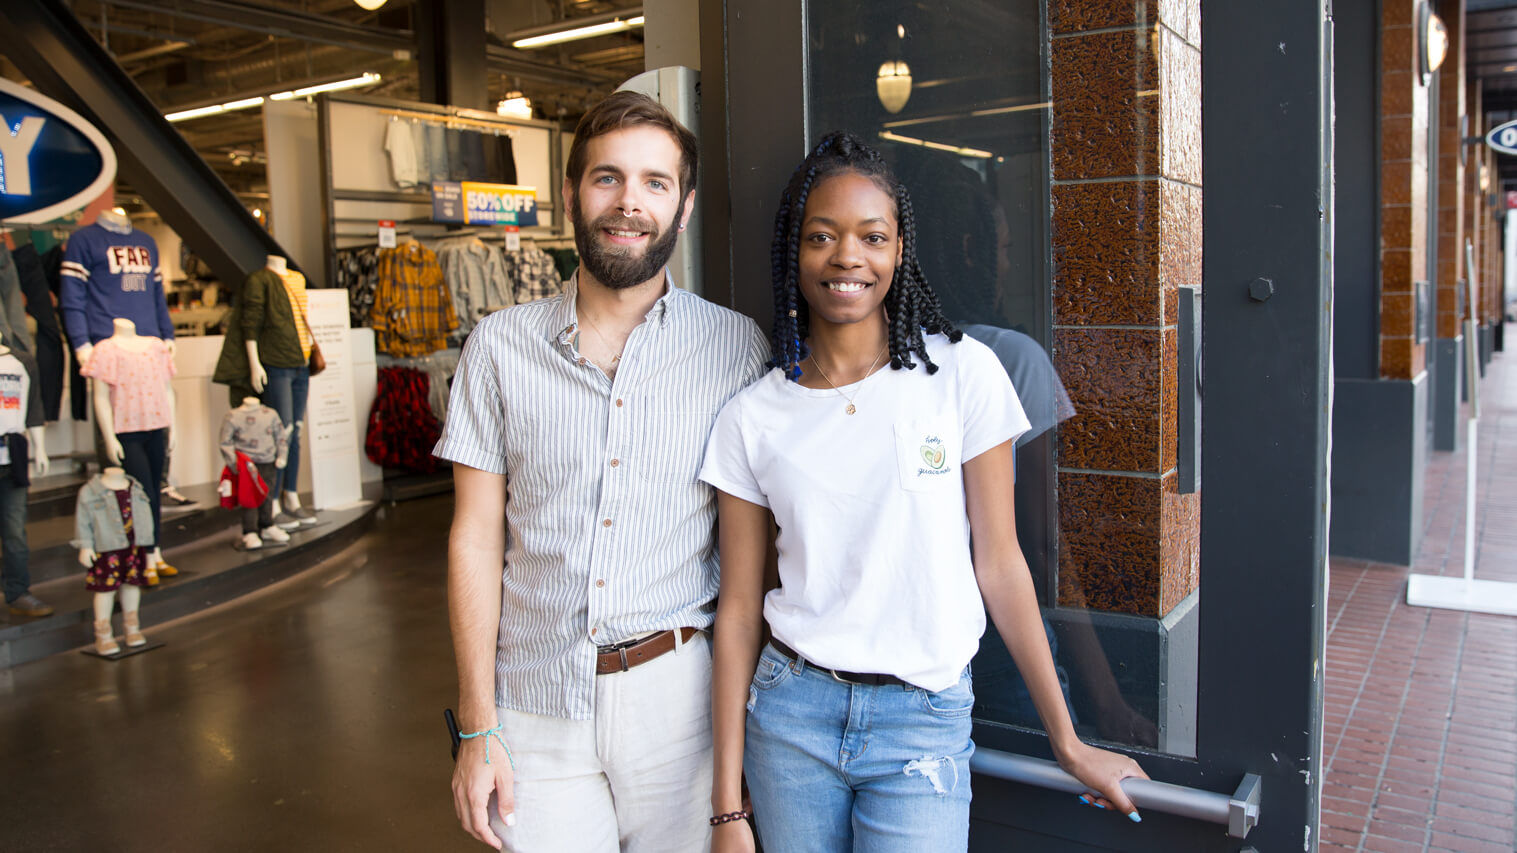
pixel 868 373
pixel 615 356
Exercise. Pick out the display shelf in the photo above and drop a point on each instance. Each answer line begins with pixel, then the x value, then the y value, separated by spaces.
pixel 211 573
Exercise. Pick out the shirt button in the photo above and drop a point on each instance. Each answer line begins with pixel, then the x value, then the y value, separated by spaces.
pixel 581 359
pixel 615 462
pixel 593 630
pixel 618 402
pixel 600 583
pixel 606 523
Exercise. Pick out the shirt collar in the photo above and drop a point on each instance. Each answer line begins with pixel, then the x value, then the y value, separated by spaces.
pixel 566 320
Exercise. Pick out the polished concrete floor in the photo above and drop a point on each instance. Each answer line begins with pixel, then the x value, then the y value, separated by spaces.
pixel 305 717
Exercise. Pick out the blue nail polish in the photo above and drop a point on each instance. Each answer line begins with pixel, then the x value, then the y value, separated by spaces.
pixel 1084 799
pixel 1134 818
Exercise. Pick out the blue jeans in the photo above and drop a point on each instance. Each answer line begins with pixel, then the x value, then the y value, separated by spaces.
pixel 15 572
pixel 835 767
pixel 286 394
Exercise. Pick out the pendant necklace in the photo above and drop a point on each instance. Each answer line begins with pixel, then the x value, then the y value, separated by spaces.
pixel 615 356
pixel 868 373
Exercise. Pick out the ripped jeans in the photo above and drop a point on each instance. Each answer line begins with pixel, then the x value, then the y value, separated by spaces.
pixel 835 767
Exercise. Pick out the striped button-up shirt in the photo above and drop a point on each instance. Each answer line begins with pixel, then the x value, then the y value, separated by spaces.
pixel 609 533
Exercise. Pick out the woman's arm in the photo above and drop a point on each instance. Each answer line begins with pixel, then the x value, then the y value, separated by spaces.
pixel 744 541
pixel 1006 585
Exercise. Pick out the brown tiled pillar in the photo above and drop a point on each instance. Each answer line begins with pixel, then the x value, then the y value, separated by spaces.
pixel 1403 189
pixel 1126 152
pixel 1474 204
pixel 1452 156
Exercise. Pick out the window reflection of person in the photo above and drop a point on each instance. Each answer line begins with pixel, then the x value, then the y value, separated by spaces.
pixel 968 251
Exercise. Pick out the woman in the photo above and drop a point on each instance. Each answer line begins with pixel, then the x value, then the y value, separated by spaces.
pixel 857 731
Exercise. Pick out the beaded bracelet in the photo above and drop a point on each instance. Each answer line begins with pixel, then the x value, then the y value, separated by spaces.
pixel 486 735
pixel 729 817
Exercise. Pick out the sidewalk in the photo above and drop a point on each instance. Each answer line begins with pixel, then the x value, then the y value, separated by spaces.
pixel 1420 733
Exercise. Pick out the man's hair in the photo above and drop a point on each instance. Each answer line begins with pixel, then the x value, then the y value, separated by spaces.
pixel 629 109
pixel 910 305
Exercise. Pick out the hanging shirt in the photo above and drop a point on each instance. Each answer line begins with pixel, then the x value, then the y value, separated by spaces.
pixel 413 312
pixel 401 146
pixel 533 275
pixel 476 278
pixel 108 274
pixel 138 380
pixel 295 289
pixel 20 399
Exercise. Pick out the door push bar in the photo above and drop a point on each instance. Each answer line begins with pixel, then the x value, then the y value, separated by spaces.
pixel 1238 812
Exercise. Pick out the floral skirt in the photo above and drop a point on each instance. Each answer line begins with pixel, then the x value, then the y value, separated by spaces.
pixel 114 568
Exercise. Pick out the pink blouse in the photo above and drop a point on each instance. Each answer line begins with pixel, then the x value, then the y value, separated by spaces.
pixel 138 380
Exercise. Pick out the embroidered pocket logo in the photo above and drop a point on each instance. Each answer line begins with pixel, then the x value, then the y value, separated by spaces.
pixel 933 456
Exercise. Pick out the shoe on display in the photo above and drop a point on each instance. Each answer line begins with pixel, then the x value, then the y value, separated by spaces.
pixel 151 573
pixel 293 509
pixel 133 626
pixel 286 522
pixel 105 644
pixel 165 570
pixel 251 542
pixel 274 534
pixel 31 605
pixel 170 494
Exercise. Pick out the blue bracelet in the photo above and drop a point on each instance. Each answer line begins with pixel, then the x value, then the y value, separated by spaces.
pixel 486 735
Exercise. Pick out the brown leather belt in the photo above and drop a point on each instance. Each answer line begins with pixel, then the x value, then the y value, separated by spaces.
pixel 876 679
pixel 624 656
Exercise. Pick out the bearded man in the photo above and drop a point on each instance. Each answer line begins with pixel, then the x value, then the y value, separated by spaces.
pixel 582 568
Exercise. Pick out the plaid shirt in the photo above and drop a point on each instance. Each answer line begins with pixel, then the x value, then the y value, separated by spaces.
pixel 532 274
pixel 413 313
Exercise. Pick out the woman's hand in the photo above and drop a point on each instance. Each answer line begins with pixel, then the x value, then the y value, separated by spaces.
pixel 1102 772
pixel 734 837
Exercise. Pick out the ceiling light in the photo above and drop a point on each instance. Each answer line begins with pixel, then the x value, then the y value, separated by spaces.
pixel 574 29
pixel 369 5
pixel 515 105
pixel 893 85
pixel 367 79
pixel 936 146
pixel 1509 68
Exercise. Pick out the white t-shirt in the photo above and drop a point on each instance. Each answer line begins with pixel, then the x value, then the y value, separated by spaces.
pixel 874 558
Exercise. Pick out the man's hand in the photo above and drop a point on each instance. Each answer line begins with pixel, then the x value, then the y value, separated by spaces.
pixel 734 837
pixel 473 783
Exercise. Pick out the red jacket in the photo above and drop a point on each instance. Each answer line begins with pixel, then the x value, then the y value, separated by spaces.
pixel 243 489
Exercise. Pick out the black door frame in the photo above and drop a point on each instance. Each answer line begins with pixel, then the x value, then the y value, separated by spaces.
pixel 1267 111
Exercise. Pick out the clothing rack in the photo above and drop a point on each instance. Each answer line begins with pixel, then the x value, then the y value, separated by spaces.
pixel 449 121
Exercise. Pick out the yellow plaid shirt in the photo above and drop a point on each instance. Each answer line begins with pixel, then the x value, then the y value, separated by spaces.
pixel 413 313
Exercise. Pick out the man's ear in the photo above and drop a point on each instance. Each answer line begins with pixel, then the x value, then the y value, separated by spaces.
pixel 689 208
pixel 568 194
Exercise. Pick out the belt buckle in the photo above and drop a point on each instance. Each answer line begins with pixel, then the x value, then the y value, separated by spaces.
pixel 622 650
pixel 838 678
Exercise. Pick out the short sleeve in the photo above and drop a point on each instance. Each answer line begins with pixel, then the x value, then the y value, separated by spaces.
pixel 988 402
pixel 102 363
pixel 727 465
pixel 474 432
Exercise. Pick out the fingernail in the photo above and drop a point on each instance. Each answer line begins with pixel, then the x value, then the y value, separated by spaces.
pixel 1098 805
pixel 511 819
pixel 1084 799
pixel 1133 816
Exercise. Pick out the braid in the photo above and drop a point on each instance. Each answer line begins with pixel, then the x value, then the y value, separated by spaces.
pixel 911 308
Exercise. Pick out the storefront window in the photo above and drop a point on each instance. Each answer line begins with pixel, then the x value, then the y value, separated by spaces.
pixel 1063 269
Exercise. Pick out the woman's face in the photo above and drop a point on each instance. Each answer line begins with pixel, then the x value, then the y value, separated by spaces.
pixel 850 246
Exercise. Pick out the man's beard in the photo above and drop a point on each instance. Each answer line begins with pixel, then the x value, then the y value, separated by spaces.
pixel 617 267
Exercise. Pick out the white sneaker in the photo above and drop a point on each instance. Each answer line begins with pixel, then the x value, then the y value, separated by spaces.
pixel 286 522
pixel 251 542
pixel 274 534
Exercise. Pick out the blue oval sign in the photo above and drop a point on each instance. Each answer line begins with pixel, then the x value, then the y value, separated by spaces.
pixel 52 161
pixel 1503 138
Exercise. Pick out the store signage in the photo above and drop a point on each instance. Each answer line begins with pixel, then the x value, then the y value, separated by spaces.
pixel 52 161
pixel 1503 138
pixel 483 204
pixel 386 233
pixel 513 238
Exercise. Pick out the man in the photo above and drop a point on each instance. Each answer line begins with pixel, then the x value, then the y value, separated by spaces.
pixel 582 563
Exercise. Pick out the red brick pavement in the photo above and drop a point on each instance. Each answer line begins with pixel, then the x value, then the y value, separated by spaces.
pixel 1420 735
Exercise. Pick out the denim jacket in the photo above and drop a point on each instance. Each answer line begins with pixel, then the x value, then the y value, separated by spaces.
pixel 97 518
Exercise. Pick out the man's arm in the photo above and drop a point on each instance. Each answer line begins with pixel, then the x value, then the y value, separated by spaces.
pixel 476 557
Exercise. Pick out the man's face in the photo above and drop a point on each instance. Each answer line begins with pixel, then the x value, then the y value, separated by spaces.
pixel 628 210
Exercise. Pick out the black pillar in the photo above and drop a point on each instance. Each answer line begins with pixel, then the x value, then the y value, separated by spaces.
pixel 450 52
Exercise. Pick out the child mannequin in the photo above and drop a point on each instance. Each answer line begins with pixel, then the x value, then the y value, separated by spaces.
pixel 255 432
pixel 134 409
pixel 112 514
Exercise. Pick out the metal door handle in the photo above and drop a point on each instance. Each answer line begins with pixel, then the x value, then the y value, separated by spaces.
pixel 1239 812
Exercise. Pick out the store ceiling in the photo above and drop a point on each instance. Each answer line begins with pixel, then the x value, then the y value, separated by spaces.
pixel 188 53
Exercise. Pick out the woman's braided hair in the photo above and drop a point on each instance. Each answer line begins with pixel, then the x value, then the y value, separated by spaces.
pixel 911 307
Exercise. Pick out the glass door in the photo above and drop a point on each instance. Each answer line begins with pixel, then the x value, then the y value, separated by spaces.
pixel 1068 210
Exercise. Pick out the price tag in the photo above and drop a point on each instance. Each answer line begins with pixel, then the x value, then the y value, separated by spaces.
pixel 513 238
pixel 386 233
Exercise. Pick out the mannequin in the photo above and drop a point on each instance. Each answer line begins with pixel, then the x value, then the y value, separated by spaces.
pixel 252 433
pixel 110 270
pixel 112 515
pixel 134 410
pixel 20 414
pixel 265 354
